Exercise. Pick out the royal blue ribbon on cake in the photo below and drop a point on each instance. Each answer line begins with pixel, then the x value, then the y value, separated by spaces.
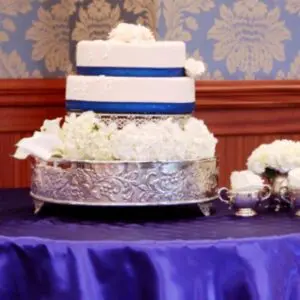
pixel 131 107
pixel 130 72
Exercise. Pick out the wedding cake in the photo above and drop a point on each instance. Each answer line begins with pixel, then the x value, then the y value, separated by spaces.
pixel 128 136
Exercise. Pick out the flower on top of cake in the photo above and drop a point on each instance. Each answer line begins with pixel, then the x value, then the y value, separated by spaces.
pixel 87 137
pixel 131 33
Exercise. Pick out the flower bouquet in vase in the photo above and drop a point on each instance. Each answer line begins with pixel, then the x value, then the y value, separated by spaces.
pixel 273 162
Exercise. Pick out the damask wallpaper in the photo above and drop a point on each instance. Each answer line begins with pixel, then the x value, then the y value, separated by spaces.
pixel 237 39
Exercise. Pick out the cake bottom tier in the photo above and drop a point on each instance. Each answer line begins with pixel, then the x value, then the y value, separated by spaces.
pixel 125 183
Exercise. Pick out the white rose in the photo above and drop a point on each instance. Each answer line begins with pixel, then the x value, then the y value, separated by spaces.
pixel 194 68
pixel 245 180
pixel 130 33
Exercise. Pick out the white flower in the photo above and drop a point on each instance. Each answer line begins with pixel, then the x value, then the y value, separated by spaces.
pixel 281 155
pixel 51 126
pixel 42 145
pixel 163 141
pixel 245 180
pixel 294 178
pixel 194 68
pixel 199 139
pixel 125 149
pixel 131 33
pixel 86 137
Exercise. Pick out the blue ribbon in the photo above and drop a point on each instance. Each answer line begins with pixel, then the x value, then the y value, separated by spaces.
pixel 131 72
pixel 131 107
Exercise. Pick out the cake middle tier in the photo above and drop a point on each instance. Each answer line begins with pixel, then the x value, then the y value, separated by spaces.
pixel 134 95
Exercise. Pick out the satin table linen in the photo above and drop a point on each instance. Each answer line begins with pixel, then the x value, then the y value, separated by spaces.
pixel 74 253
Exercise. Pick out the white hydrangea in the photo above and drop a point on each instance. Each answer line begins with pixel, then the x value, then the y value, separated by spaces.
pixel 131 33
pixel 294 179
pixel 85 137
pixel 245 180
pixel 194 68
pixel 281 155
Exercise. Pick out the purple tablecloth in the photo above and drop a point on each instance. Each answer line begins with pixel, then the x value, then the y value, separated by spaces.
pixel 156 254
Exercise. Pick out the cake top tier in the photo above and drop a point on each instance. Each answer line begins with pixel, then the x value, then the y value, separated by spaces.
pixel 132 51
pixel 116 54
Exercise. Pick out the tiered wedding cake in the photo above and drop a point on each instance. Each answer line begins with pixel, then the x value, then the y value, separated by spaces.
pixel 128 137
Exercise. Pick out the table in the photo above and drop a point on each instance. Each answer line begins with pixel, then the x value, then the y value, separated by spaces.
pixel 137 254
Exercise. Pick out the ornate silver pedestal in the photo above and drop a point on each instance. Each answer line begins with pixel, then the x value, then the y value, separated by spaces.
pixel 125 183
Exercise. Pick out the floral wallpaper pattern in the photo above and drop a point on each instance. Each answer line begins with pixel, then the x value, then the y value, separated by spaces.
pixel 237 39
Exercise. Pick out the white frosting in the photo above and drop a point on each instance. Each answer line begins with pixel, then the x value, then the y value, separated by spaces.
pixel 100 53
pixel 130 89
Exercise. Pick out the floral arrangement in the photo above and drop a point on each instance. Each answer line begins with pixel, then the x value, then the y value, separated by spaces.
pixel 293 179
pixel 86 137
pixel 131 33
pixel 245 180
pixel 281 156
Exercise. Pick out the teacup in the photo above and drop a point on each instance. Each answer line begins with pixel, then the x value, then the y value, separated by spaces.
pixel 245 201
pixel 291 196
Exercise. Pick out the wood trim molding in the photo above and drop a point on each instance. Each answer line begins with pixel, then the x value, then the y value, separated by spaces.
pixel 209 94
pixel 32 92
pixel 25 103
pixel 249 107
pixel 247 94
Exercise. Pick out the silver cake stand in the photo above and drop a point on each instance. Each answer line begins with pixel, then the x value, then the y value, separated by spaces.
pixel 120 184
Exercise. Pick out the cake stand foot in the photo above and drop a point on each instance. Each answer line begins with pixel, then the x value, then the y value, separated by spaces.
pixel 38 204
pixel 205 208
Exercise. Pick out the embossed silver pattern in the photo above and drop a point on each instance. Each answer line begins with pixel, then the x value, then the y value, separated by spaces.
pixel 125 183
